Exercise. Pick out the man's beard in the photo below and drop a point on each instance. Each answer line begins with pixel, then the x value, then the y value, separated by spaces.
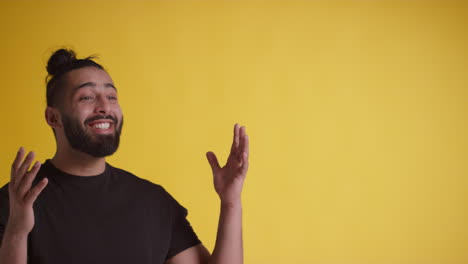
pixel 95 145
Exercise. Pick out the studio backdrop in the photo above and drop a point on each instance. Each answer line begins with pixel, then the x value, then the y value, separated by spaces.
pixel 357 114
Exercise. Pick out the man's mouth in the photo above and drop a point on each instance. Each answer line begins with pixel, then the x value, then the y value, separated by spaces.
pixel 101 126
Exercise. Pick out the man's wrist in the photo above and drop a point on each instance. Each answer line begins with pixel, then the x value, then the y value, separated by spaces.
pixel 13 236
pixel 231 204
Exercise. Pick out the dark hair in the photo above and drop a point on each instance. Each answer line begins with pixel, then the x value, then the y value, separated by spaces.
pixel 61 62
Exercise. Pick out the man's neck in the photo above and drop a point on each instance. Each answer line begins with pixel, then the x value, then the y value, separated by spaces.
pixel 78 163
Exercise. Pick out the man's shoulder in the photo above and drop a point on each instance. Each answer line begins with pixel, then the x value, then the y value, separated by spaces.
pixel 138 182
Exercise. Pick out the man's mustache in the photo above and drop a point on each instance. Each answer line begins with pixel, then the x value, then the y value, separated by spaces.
pixel 94 118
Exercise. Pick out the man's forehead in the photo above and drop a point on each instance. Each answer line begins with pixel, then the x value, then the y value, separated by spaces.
pixel 89 74
pixel 89 77
pixel 92 85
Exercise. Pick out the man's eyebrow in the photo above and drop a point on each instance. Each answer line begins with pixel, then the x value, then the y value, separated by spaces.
pixel 93 84
pixel 110 85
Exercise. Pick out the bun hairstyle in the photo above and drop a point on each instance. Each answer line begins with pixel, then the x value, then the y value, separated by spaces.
pixel 61 62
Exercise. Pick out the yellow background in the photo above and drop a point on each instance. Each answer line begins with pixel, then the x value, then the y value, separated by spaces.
pixel 356 111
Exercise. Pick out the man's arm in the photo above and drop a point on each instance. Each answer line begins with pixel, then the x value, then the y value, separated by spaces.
pixel 228 248
pixel 229 245
pixel 13 249
pixel 228 182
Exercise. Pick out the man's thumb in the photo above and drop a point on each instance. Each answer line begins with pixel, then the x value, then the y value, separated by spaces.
pixel 213 161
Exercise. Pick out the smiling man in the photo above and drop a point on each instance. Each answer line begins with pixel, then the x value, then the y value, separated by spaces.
pixel 77 208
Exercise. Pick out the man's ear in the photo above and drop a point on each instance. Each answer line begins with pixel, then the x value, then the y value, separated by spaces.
pixel 52 116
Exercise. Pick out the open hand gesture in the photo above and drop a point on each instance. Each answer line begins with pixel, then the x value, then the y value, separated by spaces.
pixel 21 195
pixel 228 180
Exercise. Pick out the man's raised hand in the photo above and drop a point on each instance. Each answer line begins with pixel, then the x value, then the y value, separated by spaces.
pixel 229 180
pixel 21 195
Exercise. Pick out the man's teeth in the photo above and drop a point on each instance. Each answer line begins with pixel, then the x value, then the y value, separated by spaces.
pixel 102 125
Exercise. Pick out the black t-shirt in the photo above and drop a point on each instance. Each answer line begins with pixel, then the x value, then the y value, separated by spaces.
pixel 115 217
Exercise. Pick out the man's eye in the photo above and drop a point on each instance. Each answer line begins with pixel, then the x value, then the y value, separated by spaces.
pixel 86 98
pixel 112 97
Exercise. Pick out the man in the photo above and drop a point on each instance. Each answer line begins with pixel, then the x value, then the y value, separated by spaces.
pixel 76 208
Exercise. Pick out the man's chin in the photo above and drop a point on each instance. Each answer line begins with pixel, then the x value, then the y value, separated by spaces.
pixel 99 145
pixel 99 151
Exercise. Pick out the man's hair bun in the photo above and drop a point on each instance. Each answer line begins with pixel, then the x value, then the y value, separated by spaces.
pixel 61 61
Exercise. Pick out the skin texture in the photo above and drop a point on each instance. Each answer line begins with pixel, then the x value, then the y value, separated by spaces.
pixel 98 97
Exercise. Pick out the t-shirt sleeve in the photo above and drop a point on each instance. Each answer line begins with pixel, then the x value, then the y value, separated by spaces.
pixel 182 234
pixel 4 210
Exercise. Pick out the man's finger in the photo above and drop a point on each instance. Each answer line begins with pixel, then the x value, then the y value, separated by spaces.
pixel 15 166
pixel 34 192
pixel 24 167
pixel 245 163
pixel 235 140
pixel 241 140
pixel 246 146
pixel 27 180
pixel 213 161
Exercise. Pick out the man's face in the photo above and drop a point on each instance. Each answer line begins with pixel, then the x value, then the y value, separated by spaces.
pixel 91 115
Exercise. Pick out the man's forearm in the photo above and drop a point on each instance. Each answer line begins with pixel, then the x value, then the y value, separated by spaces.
pixel 229 245
pixel 14 248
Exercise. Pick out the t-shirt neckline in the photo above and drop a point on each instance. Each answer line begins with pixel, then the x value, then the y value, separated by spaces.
pixel 56 171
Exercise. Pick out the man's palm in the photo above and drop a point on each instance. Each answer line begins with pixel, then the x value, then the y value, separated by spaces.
pixel 229 179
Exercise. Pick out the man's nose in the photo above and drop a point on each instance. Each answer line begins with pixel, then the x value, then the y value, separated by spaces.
pixel 102 105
